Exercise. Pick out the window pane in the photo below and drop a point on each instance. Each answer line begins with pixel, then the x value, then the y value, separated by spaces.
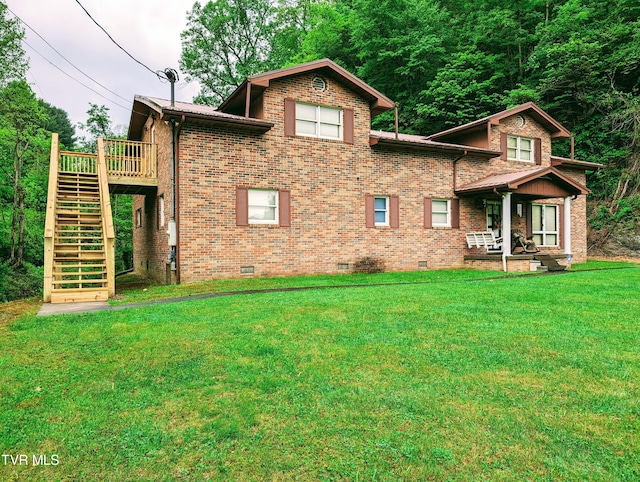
pixel 381 203
pixel 511 153
pixel 306 128
pixel 552 240
pixel 330 116
pixel 525 144
pixel 262 213
pixel 537 238
pixel 381 217
pixel 536 218
pixel 439 206
pixel 306 112
pixel 262 198
pixel 512 142
pixel 525 155
pixel 327 130
pixel 439 218
pixel 550 218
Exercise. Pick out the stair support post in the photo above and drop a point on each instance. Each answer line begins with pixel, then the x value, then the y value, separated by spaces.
pixel 107 219
pixel 50 215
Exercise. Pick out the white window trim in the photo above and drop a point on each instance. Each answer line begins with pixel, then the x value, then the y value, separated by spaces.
pixel 447 224
pixel 519 149
pixel 386 211
pixel 161 214
pixel 277 207
pixel 318 123
pixel 544 232
pixel 139 218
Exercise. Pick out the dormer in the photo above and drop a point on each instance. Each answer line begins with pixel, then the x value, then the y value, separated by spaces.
pixel 523 134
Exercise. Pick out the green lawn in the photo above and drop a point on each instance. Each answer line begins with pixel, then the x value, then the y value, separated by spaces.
pixel 526 378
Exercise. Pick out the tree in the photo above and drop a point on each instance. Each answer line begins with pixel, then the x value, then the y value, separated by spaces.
pixel 21 117
pixel 13 62
pixel 225 42
pixel 98 125
pixel 57 120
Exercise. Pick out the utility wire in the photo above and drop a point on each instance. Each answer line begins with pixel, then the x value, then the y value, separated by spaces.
pixel 158 73
pixel 68 61
pixel 73 78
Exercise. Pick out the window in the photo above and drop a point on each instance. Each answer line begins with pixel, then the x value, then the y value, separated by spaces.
pixel 519 148
pixel 381 211
pixel 138 217
pixel 318 121
pixel 161 212
pixel 263 206
pixel 440 212
pixel 544 224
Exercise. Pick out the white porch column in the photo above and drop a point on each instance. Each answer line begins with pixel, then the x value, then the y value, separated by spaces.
pixel 506 224
pixel 567 225
pixel 506 229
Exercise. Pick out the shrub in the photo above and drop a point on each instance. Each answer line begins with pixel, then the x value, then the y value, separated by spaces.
pixel 23 282
pixel 369 264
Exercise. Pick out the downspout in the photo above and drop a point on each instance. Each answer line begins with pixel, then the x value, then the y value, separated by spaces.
pixel 573 149
pixel 455 169
pixel 395 113
pixel 247 101
pixel 177 192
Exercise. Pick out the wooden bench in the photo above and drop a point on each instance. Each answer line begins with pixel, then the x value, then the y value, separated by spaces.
pixel 484 239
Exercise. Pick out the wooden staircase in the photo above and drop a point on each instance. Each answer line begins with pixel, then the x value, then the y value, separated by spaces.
pixel 79 239
pixel 79 258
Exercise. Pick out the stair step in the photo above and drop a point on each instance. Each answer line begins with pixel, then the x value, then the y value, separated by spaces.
pixel 86 265
pixel 79 282
pixel 60 295
pixel 86 256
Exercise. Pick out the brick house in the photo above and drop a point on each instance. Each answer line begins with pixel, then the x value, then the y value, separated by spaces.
pixel 286 177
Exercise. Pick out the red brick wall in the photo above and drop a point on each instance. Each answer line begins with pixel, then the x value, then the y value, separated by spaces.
pixel 150 241
pixel 328 181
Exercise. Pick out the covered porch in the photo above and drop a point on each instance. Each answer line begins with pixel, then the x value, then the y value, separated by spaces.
pixel 537 203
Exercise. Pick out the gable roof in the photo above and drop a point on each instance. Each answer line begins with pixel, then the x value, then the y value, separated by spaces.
pixel 555 129
pixel 203 114
pixel 513 181
pixel 259 82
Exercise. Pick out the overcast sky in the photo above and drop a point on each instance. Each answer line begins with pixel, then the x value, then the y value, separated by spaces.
pixel 148 30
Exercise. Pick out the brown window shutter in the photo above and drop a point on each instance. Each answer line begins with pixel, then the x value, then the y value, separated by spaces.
pixel 369 211
pixel 561 227
pixel 289 117
pixel 348 121
pixel 394 212
pixel 503 146
pixel 455 213
pixel 529 220
pixel 242 206
pixel 285 208
pixel 428 223
pixel 537 151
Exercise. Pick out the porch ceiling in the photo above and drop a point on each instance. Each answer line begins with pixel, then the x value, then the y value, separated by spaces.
pixel 545 182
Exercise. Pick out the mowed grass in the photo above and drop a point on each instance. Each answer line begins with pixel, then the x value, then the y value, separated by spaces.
pixel 532 378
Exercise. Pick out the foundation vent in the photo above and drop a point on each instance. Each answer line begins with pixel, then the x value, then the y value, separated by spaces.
pixel 246 269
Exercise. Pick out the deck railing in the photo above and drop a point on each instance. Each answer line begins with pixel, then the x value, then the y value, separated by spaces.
pixel 78 162
pixel 130 158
